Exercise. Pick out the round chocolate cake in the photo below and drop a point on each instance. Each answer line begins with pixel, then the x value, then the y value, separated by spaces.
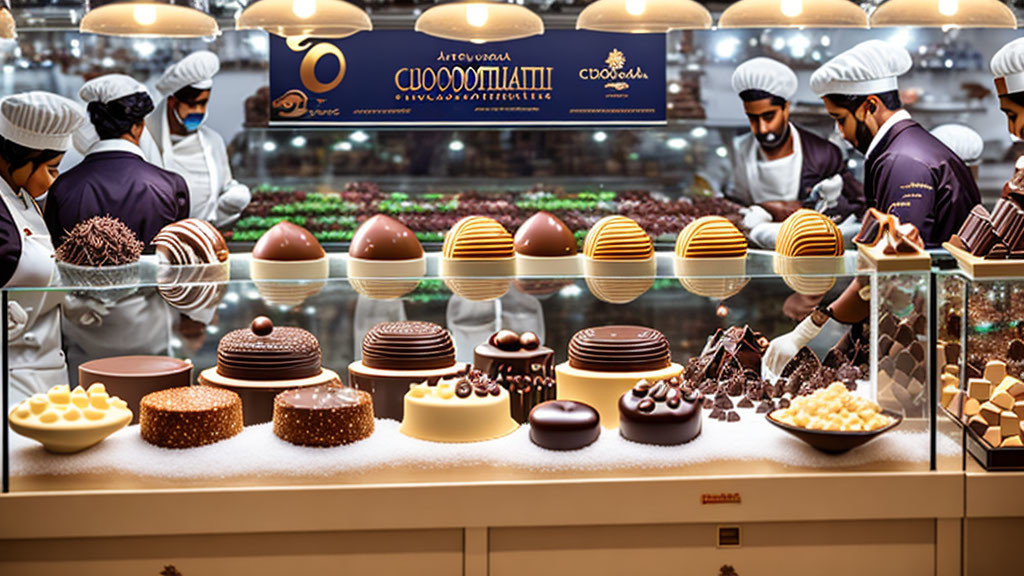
pixel 408 346
pixel 266 352
pixel 662 413
pixel 619 349
pixel 323 416
pixel 399 354
pixel 262 361
pixel 189 416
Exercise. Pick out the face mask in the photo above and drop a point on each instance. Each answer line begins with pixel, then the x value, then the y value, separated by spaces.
pixel 773 140
pixel 191 122
pixel 862 137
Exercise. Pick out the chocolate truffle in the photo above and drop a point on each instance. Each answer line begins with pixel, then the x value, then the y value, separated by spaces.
pixel 396 355
pixel 661 413
pixel 289 243
pixel 190 242
pixel 382 237
pixel 190 416
pixel 522 366
pixel 619 349
pixel 564 425
pixel 323 415
pixel 544 235
pixel 263 360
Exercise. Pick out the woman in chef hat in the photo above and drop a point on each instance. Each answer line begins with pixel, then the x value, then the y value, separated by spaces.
pixel 35 131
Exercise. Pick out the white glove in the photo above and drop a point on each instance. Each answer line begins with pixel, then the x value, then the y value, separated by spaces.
pixel 231 203
pixel 17 320
pixel 754 216
pixel 763 235
pixel 827 193
pixel 84 311
pixel 782 349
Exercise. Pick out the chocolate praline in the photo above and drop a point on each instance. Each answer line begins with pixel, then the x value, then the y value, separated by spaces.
pixel 287 242
pixel 660 413
pixel 545 235
pixel 564 425
pixel 383 238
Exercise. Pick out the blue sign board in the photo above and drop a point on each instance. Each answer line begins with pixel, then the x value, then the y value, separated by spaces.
pixel 406 78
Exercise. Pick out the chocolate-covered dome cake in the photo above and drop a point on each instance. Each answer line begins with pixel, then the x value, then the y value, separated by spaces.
pixel 385 259
pixel 398 354
pixel 262 360
pixel 607 361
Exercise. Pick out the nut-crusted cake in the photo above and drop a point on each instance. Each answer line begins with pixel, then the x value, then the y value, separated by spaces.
pixel 263 360
pixel 190 416
pixel 323 415
pixel 398 354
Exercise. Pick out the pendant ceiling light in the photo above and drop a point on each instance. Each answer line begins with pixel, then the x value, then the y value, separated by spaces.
pixel 944 13
pixel 793 14
pixel 7 28
pixel 168 18
pixel 292 18
pixel 479 21
pixel 650 16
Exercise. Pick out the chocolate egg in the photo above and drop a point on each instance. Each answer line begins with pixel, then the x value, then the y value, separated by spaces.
pixel 478 238
pixel 262 326
pixel 506 340
pixel 809 233
pixel 287 242
pixel 618 238
pixel 544 235
pixel 383 238
pixel 529 341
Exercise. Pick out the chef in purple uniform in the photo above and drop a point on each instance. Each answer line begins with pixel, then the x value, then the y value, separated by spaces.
pixel 908 172
pixel 115 178
pixel 780 167
pixel 35 131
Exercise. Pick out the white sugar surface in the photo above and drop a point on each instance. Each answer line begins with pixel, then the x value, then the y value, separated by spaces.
pixel 258 452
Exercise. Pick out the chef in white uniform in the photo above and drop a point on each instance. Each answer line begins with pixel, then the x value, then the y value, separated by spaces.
pixel 191 149
pixel 35 131
pixel 780 167
pixel 964 142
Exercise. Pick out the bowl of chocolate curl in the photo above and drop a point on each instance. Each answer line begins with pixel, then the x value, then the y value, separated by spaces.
pixel 101 252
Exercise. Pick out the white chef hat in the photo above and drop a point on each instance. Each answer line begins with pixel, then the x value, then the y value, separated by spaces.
pixel 767 75
pixel 1008 68
pixel 870 67
pixel 966 143
pixel 110 87
pixel 39 120
pixel 196 70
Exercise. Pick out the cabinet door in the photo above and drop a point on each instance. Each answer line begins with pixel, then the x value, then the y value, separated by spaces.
pixel 808 548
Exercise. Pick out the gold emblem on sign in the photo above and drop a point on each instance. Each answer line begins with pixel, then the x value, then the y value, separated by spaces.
pixel 615 60
pixel 614 74
pixel 291 104
pixel 307 69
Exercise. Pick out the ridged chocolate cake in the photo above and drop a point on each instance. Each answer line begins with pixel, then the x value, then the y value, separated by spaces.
pixel 619 349
pixel 399 354
pixel 260 362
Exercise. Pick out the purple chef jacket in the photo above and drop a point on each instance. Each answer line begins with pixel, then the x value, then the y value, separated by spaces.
pixel 911 174
pixel 822 160
pixel 115 179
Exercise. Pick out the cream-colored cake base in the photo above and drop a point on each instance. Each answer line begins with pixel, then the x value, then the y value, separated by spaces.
pixel 279 293
pixel 478 280
pixel 548 266
pixel 808 275
pixel 210 377
pixel 385 279
pixel 712 277
pixel 435 413
pixel 602 390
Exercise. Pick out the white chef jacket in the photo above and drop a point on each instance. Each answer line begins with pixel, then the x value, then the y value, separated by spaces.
pixel 202 160
pixel 758 179
pixel 35 360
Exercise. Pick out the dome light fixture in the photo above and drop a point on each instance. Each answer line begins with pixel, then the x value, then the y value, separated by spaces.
pixel 944 14
pixel 149 18
pixel 479 21
pixel 793 14
pixel 296 18
pixel 644 16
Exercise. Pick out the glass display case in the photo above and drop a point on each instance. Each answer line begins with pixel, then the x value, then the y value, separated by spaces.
pixel 168 323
